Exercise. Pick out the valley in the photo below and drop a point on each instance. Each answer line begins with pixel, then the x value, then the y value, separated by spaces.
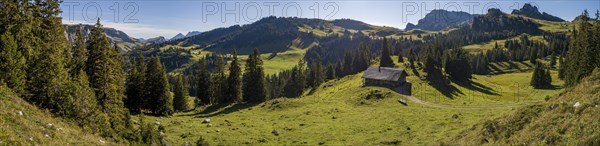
pixel 521 78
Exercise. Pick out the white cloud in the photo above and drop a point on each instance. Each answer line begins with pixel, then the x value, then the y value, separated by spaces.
pixel 135 30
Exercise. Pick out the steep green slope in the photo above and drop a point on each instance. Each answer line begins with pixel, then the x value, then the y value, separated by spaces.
pixel 25 124
pixel 569 119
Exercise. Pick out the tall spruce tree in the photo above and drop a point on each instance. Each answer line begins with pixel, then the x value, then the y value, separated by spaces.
pixel 297 81
pixel 136 87
pixel 254 79
pixel 234 80
pixel 181 94
pixel 219 81
pixel 457 65
pixel 541 77
pixel 317 75
pixel 203 81
pixel 48 76
pixel 330 73
pixel 80 53
pixel 400 56
pixel 581 57
pixel 561 67
pixel 88 113
pixel 385 59
pixel 107 77
pixel 12 68
pixel 160 100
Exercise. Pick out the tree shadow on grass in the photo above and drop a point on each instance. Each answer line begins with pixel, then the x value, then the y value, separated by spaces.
pixel 474 86
pixel 513 65
pixel 220 109
pixel 524 63
pixel 447 90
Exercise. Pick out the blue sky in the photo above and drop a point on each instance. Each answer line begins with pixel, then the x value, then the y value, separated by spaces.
pixel 151 18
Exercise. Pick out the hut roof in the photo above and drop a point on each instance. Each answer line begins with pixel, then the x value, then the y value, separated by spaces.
pixel 384 73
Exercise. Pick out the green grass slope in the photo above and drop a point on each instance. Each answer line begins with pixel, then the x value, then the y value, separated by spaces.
pixel 25 124
pixel 569 119
pixel 340 112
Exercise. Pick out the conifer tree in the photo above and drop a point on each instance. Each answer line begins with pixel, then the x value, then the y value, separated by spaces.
pixel 88 113
pixel 548 78
pixel 12 68
pixel 386 60
pixel 552 59
pixel 203 81
pixel 254 79
pixel 135 91
pixel 457 65
pixel 80 53
pixel 297 81
pixel 330 73
pixel 218 87
pixel 400 57
pixel 316 73
pixel 48 75
pixel 107 77
pixel 581 57
pixel 160 100
pixel 181 93
pixel 234 81
pixel 561 68
pixel 541 77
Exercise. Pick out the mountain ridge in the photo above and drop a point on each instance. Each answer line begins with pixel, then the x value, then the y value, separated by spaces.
pixel 533 12
pixel 440 19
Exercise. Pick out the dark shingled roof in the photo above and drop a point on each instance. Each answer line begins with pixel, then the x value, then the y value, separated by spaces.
pixel 384 73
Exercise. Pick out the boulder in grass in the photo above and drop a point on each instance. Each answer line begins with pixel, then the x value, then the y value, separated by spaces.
pixel 206 120
pixel 577 104
pixel 275 132
pixel 454 116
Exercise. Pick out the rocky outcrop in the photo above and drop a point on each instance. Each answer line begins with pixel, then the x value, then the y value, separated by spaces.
pixel 438 20
pixel 533 12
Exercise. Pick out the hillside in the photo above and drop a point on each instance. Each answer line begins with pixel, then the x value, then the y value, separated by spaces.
pixel 439 19
pixel 570 118
pixel 344 112
pixel 290 33
pixel 26 124
pixel 340 112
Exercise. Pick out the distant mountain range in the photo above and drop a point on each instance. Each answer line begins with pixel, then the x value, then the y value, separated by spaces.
pixel 439 19
pixel 296 32
pixel 155 40
pixel 533 12
pixel 181 36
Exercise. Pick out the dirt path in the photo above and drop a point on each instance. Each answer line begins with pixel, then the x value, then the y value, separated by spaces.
pixel 435 105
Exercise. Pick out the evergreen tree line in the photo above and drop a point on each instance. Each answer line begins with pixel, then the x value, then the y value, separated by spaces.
pixel 582 57
pixel 83 81
pixel 541 77
pixel 215 86
pixel 148 87
pixel 292 83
